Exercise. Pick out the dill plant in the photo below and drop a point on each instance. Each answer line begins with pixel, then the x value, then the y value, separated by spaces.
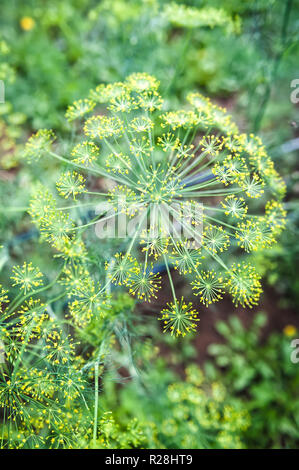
pixel 136 153
pixel 42 391
pixel 46 394
pixel 144 158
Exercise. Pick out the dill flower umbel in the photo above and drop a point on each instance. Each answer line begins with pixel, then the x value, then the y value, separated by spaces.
pixel 38 144
pixel 36 396
pixel 209 287
pixel 190 17
pixel 180 189
pixel 180 318
pixel 27 277
pixel 70 184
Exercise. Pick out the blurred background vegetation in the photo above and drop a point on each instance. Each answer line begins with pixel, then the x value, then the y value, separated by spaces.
pixel 244 55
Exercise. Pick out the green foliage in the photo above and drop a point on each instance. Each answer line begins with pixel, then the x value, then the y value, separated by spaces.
pixel 263 376
pixel 48 82
pixel 176 413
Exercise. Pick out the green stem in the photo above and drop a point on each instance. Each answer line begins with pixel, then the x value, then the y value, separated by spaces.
pixel 170 279
pixel 92 170
pixel 96 402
